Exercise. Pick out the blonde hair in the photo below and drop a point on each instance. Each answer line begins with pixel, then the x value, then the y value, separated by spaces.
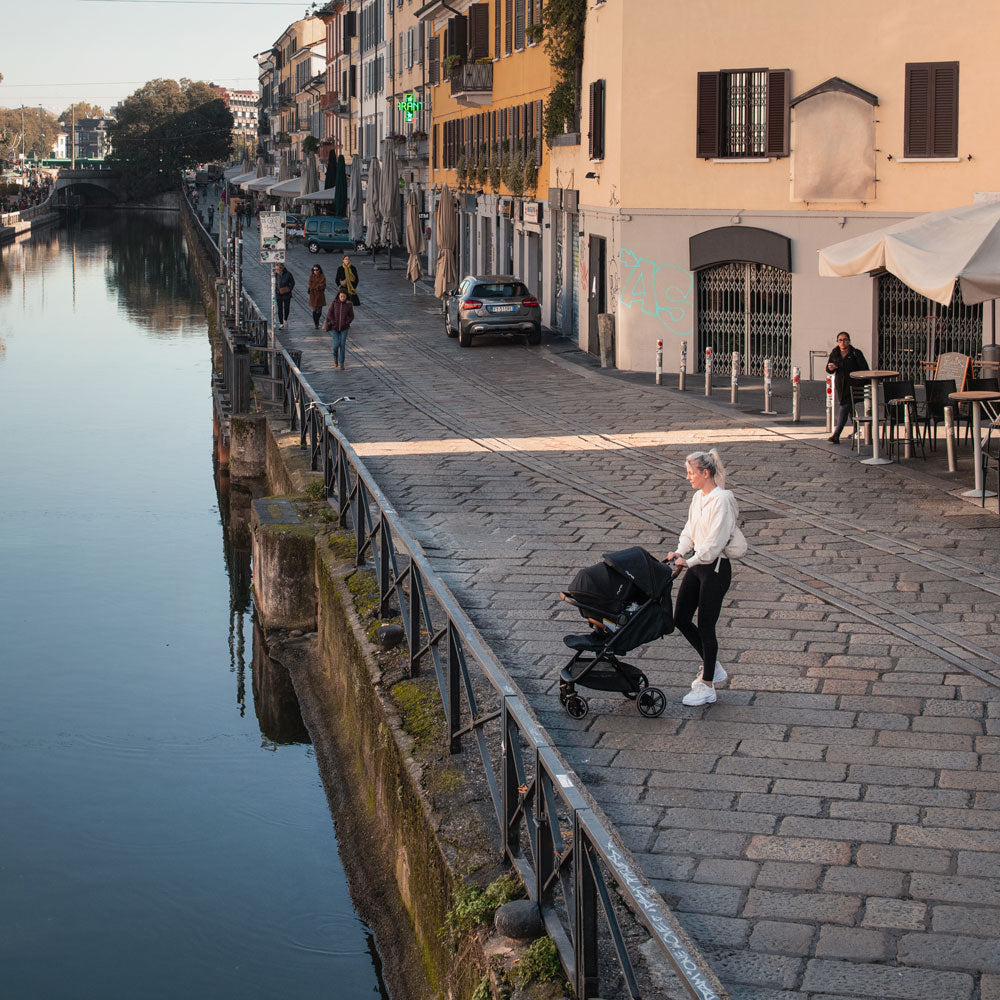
pixel 710 462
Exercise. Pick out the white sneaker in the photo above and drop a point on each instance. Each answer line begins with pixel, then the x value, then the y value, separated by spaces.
pixel 720 675
pixel 701 694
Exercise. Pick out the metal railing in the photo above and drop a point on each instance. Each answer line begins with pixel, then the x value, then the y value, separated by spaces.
pixel 471 77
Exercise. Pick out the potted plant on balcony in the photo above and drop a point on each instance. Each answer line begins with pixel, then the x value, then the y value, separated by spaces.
pixel 310 144
pixel 462 170
pixel 495 169
pixel 531 167
pixel 483 166
pixel 449 63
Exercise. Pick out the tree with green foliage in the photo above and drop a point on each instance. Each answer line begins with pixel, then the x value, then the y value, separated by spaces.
pixel 82 110
pixel 40 129
pixel 167 126
pixel 562 28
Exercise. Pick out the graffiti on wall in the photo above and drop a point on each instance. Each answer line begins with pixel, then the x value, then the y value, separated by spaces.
pixel 663 291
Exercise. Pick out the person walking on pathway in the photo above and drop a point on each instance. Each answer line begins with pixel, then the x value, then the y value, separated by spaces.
pixel 710 538
pixel 843 360
pixel 317 293
pixel 283 285
pixel 347 280
pixel 339 318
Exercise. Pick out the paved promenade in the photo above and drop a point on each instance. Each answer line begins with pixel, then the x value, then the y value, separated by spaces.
pixel 831 827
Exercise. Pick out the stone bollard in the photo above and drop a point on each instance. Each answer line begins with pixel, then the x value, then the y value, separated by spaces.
pixel 682 375
pixel 796 398
pixel 606 338
pixel 830 384
pixel 734 379
pixel 659 362
pixel 708 371
pixel 248 445
pixel 284 566
pixel 768 409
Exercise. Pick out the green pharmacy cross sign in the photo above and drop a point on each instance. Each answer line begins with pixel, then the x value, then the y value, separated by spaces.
pixel 409 105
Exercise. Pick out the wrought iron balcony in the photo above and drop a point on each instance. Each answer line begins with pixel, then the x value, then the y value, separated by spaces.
pixel 472 84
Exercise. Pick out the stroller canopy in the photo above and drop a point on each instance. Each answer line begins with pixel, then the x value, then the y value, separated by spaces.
pixel 623 577
pixel 650 575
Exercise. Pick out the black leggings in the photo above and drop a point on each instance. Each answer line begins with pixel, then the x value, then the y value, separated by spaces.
pixel 843 415
pixel 703 589
pixel 284 304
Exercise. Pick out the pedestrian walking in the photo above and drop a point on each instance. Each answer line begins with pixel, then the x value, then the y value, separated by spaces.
pixel 339 318
pixel 711 538
pixel 284 282
pixel 347 279
pixel 211 215
pixel 317 293
pixel 843 360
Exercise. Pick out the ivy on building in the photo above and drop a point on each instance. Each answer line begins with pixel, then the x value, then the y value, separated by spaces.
pixel 562 29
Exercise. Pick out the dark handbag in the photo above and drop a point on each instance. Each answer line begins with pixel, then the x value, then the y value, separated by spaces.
pixel 354 299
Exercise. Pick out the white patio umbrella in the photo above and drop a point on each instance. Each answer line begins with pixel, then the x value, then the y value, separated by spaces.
pixel 373 213
pixel 310 175
pixel 929 253
pixel 414 241
pixel 389 198
pixel 355 222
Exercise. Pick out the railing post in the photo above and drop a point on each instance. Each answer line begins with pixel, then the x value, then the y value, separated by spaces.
pixel 454 713
pixel 383 566
pixel 546 849
pixel 682 373
pixel 796 390
pixel 343 487
pixel 708 371
pixel 241 378
pixel 734 379
pixel 509 845
pixel 768 408
pixel 585 917
pixel 413 599
pixel 659 362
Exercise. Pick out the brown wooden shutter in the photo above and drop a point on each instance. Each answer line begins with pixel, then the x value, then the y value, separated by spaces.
pixel 518 24
pixel 458 37
pixel 434 60
pixel 707 135
pixel 434 147
pixel 778 84
pixel 479 31
pixel 944 137
pixel 497 21
pixel 917 110
pixel 509 27
pixel 538 133
pixel 596 139
pixel 930 111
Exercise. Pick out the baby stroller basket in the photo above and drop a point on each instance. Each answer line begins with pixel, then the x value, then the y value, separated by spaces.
pixel 626 598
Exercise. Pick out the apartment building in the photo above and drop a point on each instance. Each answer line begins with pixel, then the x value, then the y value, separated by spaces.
pixel 408 96
pixel 373 55
pixel 267 106
pixel 712 165
pixel 489 77
pixel 242 105
pixel 338 98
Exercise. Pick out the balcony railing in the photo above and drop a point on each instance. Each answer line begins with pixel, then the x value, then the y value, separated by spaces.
pixel 472 83
pixel 329 99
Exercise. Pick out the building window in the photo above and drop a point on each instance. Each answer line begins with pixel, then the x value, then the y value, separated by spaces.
pixel 743 114
pixel 597 90
pixel 930 126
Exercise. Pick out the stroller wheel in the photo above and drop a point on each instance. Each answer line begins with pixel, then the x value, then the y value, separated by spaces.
pixel 650 703
pixel 577 707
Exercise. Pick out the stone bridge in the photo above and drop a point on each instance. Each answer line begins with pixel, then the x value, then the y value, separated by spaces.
pixel 87 187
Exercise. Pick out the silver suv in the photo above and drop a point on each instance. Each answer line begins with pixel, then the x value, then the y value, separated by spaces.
pixel 492 303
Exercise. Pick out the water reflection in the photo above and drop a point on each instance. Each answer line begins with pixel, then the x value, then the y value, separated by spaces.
pixel 274 697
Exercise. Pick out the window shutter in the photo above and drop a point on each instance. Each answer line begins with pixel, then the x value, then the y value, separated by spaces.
pixel 707 136
pixel 420 44
pixel 497 20
pixel 434 147
pixel 518 24
pixel 458 44
pixel 596 139
pixel 917 110
pixel 538 133
pixel 778 83
pixel 509 27
pixel 479 30
pixel 944 138
pixel 434 60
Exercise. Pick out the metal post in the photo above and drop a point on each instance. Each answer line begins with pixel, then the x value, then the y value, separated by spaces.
pixel 708 371
pixel 768 410
pixel 830 383
pixel 796 389
pixel 659 360
pixel 274 316
pixel 734 379
pixel 682 377
pixel 585 898
pixel 454 687
pixel 949 436
pixel 907 430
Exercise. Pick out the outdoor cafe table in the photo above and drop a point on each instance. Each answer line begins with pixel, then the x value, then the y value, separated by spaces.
pixel 975 398
pixel 872 378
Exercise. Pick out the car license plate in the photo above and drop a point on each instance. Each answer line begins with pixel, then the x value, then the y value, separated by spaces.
pixel 502 309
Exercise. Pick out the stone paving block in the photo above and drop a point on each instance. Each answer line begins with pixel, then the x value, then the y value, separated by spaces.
pixel 919 796
pixel 883 720
pixel 711 931
pixel 720 900
pixel 827 976
pixel 891 757
pixel 854 944
pixel 718 871
pixel 810 906
pixel 839 829
pixel 947 951
pixel 666 866
pixel 928 741
pixel 955 709
pixel 815 851
pixel 973 840
pixel 709 782
pixel 904 858
pixel 781 938
pixel 785 805
pixel 897 705
pixel 689 797
pixel 740 991
pixel 976 921
pixel 863 881
pixel 900 914
pixel 755 968
pixel 976 864
pixel 787 875
pixel 955 889
pixel 970 819
pixel 726 820
pixel 977 780
pixel 708 843
pixel 945 724
pixel 767 748
pixel 870 774
pixel 795 770
pixel 876 811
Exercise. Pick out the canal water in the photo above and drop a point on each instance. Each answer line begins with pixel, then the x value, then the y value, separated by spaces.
pixel 157 840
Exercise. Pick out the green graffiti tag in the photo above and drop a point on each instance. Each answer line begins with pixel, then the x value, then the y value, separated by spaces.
pixel 659 290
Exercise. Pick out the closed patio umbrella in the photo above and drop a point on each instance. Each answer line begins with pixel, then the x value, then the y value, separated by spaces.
pixel 340 188
pixel 414 241
pixel 389 198
pixel 355 222
pixel 331 171
pixel 446 225
pixel 310 175
pixel 373 212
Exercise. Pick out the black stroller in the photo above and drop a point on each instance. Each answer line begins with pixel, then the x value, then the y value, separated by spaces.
pixel 626 599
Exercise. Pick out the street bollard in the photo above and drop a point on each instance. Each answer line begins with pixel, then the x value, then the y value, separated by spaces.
pixel 796 402
pixel 659 360
pixel 907 431
pixel 768 410
pixel 682 376
pixel 734 379
pixel 949 436
pixel 708 371
pixel 829 403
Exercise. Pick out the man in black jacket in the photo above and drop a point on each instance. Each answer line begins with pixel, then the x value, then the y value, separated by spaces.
pixel 843 360
pixel 283 285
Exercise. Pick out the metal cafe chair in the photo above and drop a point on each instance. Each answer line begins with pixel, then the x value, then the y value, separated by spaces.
pixel 991 411
pixel 901 402
pixel 858 418
pixel 978 385
pixel 936 400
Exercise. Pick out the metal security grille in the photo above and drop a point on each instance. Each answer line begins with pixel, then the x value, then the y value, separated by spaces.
pixel 747 308
pixel 744 104
pixel 912 328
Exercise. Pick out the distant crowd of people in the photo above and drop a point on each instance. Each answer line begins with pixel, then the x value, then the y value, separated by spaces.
pixel 33 193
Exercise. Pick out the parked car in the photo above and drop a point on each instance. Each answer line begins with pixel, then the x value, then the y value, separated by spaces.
pixel 294 225
pixel 329 233
pixel 491 304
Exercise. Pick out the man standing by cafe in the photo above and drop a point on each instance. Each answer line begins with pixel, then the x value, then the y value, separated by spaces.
pixel 283 285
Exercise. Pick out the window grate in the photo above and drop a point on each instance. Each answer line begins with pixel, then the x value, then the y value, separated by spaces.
pixel 745 106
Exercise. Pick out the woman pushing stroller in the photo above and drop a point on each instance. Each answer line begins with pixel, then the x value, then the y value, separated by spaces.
pixel 708 541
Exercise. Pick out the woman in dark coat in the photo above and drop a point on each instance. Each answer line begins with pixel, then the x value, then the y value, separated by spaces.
pixel 339 318
pixel 317 293
pixel 843 360
pixel 347 279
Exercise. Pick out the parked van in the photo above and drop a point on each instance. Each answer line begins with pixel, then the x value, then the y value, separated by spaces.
pixel 327 232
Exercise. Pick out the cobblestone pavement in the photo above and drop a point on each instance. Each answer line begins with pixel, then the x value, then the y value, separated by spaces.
pixel 830 827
